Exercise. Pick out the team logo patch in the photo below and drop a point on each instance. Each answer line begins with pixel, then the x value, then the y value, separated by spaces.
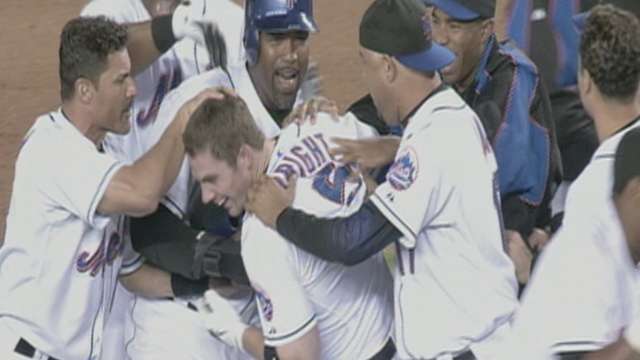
pixel 265 306
pixel 404 170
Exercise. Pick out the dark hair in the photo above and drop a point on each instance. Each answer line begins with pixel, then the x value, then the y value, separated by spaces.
pixel 610 51
pixel 85 44
pixel 222 127
pixel 627 163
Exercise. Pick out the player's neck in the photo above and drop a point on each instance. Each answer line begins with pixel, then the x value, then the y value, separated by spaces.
pixel 83 122
pixel 415 94
pixel 612 116
pixel 264 157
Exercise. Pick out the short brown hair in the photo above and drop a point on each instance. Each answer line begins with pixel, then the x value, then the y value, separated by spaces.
pixel 222 127
pixel 85 44
pixel 610 51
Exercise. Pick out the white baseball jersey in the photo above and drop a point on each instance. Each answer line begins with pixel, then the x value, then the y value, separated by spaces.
pixel 455 286
pixel 351 306
pixel 154 322
pixel 61 259
pixel 583 291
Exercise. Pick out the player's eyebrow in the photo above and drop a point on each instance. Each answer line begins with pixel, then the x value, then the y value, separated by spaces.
pixel 209 179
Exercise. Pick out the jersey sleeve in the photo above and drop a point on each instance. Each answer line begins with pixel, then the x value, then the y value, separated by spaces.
pixel 81 180
pixel 412 191
pixel 285 312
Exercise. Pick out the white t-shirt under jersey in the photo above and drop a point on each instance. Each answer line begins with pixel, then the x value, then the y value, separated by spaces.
pixel 455 286
pixel 351 306
pixel 61 259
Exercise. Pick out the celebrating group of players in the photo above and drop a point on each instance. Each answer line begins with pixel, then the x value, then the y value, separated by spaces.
pixel 195 196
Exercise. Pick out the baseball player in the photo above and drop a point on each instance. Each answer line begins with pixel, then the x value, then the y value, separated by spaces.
pixel 277 53
pixel 587 278
pixel 443 217
pixel 165 50
pixel 309 308
pixel 66 241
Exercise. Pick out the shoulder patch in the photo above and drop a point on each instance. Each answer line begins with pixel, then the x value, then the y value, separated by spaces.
pixel 404 171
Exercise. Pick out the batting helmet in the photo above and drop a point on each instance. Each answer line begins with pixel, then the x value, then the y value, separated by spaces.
pixel 274 16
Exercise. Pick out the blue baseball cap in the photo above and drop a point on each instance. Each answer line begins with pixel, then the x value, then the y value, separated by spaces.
pixel 465 10
pixel 400 28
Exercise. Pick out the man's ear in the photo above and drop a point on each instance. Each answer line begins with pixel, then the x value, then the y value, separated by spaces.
pixel 245 156
pixel 487 29
pixel 84 90
pixel 389 68
pixel 587 80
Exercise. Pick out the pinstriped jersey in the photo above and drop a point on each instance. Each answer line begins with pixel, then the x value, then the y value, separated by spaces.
pixel 61 259
pixel 350 306
pixel 441 193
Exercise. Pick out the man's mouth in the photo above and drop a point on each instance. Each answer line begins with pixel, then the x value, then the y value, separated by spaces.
pixel 287 79
pixel 127 110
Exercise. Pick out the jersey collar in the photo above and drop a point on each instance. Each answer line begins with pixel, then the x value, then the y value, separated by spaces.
pixel 439 89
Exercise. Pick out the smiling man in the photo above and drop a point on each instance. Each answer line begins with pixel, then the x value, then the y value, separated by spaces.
pixel 269 81
pixel 503 87
pixel 309 308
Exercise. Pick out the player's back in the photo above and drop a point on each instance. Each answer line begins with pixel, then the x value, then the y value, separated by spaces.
pixel 351 306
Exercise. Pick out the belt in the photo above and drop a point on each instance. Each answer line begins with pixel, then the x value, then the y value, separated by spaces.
pixel 386 353
pixel 24 348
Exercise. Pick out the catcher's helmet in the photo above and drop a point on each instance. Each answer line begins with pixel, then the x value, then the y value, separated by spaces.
pixel 274 16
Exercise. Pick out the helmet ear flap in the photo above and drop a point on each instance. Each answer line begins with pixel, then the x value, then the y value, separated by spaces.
pixel 251 37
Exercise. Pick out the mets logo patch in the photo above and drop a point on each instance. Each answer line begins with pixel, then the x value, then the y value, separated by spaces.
pixel 404 170
pixel 265 306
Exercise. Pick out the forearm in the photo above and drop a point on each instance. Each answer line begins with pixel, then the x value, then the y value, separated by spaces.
pixel 141 46
pixel 165 241
pixel 154 172
pixel 504 9
pixel 149 282
pixel 171 244
pixel 253 342
pixel 347 240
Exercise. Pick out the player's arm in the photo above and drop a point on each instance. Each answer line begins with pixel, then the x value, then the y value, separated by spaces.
pixel 151 282
pixel 150 39
pixel 348 240
pixel 173 245
pixel 289 329
pixel 136 189
pixel 224 323
pixel 502 19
